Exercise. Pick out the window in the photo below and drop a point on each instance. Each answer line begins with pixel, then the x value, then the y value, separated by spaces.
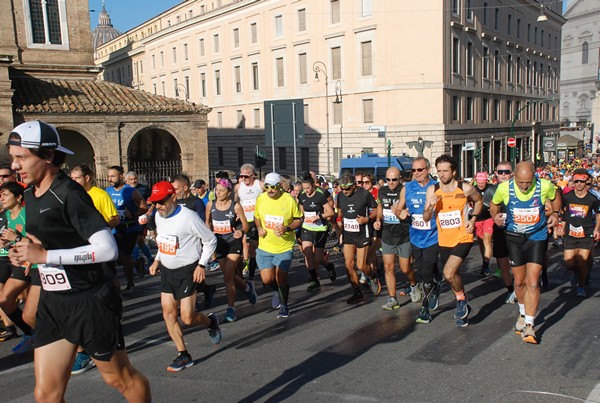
pixel 280 72
pixel 496 110
pixel 238 78
pixel 367 111
pixel 304 159
pixel 542 38
pixel 218 82
pixel 153 62
pixel 302 20
pixel 496 18
pixel 220 124
pixel 255 76
pixel 518 28
pixel 470 59
pixel 236 38
pixel 220 155
pixel 455 55
pixel 282 158
pixel 509 68
pixel 535 35
pixel 303 68
pixel 241 120
pixel 305 115
pixel 485 13
pixel 216 43
pixel 469 10
pixel 162 59
pixel 253 33
pixel 256 115
pixel 518 69
pixel 508 114
pixel 337 113
pixel 163 87
pixel 585 50
pixel 469 109
pixel 141 67
pixel 455 7
pixel 240 156
pixel 528 73
pixel 278 26
pixel 485 62
pixel 509 23
pixel 185 51
pixel 174 49
pixel 528 32
pixel 497 61
pixel 367 8
pixel 201 45
pixel 47 22
pixel 203 84
pixel 335 11
pixel 154 88
pixel 455 108
pixel 336 62
pixel 175 89
pixel 366 57
pixel 187 87
pixel 485 110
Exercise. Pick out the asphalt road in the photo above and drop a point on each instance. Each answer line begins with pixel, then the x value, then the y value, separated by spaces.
pixel 328 351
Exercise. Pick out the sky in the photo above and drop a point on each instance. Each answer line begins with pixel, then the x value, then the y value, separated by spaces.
pixel 126 14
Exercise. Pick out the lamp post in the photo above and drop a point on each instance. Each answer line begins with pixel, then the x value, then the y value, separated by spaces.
pixel 184 89
pixel 338 100
pixel 319 67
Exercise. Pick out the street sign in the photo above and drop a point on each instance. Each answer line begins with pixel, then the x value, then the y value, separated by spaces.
pixel 470 146
pixel 376 128
pixel 511 142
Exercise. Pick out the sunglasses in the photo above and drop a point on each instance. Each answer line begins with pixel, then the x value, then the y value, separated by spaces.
pixel 346 187
pixel 366 182
pixel 269 187
pixel 391 179
pixel 244 176
pixel 163 201
pixel 418 169
pixel 6 176
pixel 359 182
pixel 578 181
pixel 503 171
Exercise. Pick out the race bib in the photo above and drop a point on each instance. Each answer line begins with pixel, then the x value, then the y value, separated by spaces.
pixel 526 216
pixel 167 244
pixel 273 222
pixel 249 206
pixel 53 278
pixel 450 219
pixel 222 227
pixel 419 223
pixel 576 232
pixel 389 217
pixel 351 225
pixel 310 214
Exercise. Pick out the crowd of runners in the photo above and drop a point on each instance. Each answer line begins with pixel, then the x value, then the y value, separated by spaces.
pixel 62 239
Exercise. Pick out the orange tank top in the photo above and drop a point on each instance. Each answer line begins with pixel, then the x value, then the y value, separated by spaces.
pixel 451 218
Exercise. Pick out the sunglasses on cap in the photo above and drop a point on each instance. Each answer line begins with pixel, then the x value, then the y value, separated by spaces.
pixel 418 169
pixel 503 171
pixel 268 187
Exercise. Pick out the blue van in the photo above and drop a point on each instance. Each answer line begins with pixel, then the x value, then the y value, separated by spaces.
pixel 376 165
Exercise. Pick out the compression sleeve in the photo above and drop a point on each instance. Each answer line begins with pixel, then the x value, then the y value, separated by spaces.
pixel 102 248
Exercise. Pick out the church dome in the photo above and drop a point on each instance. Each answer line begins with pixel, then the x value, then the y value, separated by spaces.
pixel 104 32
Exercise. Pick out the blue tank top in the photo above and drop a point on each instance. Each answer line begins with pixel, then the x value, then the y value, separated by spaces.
pixel 526 217
pixel 123 201
pixel 422 234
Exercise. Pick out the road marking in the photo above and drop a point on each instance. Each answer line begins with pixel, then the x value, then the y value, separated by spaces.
pixel 594 396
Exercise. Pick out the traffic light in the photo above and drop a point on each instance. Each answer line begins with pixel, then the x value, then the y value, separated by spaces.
pixel 260 159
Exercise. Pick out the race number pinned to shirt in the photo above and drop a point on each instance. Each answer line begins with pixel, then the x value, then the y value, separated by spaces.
pixel 576 232
pixel 167 244
pixel 450 219
pixel 249 206
pixel 526 216
pixel 351 225
pixel 310 215
pixel 273 222
pixel 222 227
pixel 389 217
pixel 53 278
pixel 419 223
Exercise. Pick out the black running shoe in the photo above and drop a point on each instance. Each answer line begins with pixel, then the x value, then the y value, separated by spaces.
pixel 356 297
pixel 331 271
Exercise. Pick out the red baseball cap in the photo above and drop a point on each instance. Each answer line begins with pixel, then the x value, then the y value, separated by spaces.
pixel 160 191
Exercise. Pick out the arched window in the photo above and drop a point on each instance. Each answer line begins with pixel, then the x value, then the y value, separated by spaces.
pixel 585 50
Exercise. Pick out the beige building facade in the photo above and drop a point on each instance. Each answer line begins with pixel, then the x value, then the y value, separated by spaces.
pixel 371 73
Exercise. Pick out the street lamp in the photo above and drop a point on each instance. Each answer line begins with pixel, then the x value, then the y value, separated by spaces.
pixel 319 67
pixel 183 88
pixel 338 100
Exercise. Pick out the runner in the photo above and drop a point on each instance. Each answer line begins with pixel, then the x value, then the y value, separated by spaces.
pixel 527 237
pixel 316 211
pixel 581 227
pixel 353 206
pixel 185 245
pixel 484 224
pixel 246 191
pixel 368 183
pixel 131 178
pixel 276 216
pixel 448 201
pixel 228 222
pixel 395 239
pixel 68 239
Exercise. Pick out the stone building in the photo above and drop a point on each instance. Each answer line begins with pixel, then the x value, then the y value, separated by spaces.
pixel 47 72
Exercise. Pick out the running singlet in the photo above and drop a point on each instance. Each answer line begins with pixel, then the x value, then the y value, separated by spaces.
pixel 394 231
pixel 272 214
pixel 358 204
pixel 580 216
pixel 248 196
pixel 123 200
pixel 423 234
pixel 103 202
pixel 18 224
pixel 451 217
pixel 223 221
pixel 313 206
pixel 64 217
pixel 526 217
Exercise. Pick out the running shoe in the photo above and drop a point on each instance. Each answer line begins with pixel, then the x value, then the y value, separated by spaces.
pixel 363 278
pixel 230 315
pixel 416 294
pixel 182 361
pixel 391 304
pixel 464 322
pixel 485 271
pixel 528 334
pixel 375 285
pixel 252 296
pixel 284 312
pixel 275 300
pixel 9 332
pixel 356 297
pixel 511 299
pixel 26 344
pixel 128 290
pixel 497 273
pixel 331 271
pixel 424 316
pixel 581 292
pixel 520 324
pixel 209 295
pixel 213 265
pixel 462 309
pixel 83 362
pixel 434 297
pixel 140 263
pixel 404 291
pixel 214 331
pixel 313 286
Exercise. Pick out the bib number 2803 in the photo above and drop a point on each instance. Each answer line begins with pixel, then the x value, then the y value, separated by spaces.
pixel 54 278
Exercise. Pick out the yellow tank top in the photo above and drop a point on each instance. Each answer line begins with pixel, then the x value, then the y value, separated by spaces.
pixel 452 215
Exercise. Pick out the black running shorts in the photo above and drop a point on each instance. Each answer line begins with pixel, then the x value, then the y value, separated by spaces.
pixel 356 239
pixel 231 247
pixel 317 238
pixel 578 243
pixel 5 269
pixel 499 243
pixel 522 251
pixel 179 282
pixel 252 234
pixel 461 250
